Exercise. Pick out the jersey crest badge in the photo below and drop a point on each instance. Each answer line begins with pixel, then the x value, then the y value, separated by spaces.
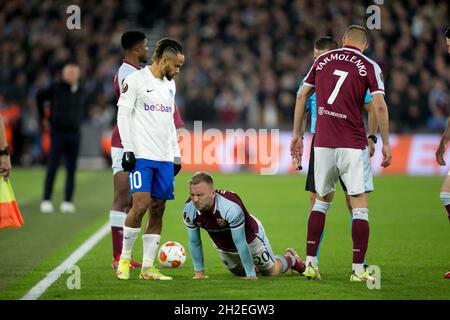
pixel 221 222
pixel 125 88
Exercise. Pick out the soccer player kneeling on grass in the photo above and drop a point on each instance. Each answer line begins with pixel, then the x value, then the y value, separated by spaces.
pixel 238 236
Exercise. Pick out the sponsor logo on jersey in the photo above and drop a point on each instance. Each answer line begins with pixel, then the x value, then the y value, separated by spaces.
pixel 157 107
pixel 321 111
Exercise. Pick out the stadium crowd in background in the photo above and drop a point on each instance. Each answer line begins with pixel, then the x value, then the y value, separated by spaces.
pixel 246 58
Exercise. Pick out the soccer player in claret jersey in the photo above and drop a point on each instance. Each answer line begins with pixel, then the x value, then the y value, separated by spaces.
pixel 238 236
pixel 321 46
pixel 135 46
pixel 146 126
pixel 340 79
pixel 445 189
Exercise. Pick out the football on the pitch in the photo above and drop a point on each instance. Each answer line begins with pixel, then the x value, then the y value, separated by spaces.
pixel 171 255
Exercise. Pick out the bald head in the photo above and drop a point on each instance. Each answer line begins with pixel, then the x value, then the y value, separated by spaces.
pixel 356 36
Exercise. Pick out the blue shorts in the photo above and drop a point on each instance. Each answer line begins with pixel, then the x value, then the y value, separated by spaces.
pixel 155 177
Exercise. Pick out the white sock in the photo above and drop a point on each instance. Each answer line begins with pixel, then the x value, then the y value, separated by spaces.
pixel 312 260
pixel 150 245
pixel 117 218
pixel 129 236
pixel 358 268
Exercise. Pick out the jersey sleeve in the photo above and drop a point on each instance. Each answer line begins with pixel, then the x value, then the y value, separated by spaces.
pixel 367 98
pixel 375 79
pixel 195 242
pixel 309 101
pixel 126 103
pixel 310 79
pixel 240 241
pixel 195 247
pixel 122 74
pixel 235 217
pixel 189 215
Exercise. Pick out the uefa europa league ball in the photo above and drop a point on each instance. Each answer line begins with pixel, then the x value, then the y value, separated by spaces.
pixel 171 255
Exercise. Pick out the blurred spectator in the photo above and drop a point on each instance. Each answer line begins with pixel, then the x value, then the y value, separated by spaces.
pixel 246 58
pixel 262 47
pixel 65 103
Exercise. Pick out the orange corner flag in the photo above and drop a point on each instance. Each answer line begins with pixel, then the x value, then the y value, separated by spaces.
pixel 10 216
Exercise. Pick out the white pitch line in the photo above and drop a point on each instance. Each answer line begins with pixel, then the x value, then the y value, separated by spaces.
pixel 45 283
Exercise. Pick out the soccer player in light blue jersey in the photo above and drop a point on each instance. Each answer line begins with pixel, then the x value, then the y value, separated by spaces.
pixel 238 236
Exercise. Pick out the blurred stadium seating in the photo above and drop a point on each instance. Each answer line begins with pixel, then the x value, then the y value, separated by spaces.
pixel 244 59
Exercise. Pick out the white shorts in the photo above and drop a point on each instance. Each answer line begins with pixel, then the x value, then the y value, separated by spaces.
pixel 116 157
pixel 352 165
pixel 262 253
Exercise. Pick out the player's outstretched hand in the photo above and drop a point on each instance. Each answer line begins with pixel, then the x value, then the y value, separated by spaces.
pixel 387 156
pixel 297 148
pixel 440 154
pixel 128 161
pixel 200 275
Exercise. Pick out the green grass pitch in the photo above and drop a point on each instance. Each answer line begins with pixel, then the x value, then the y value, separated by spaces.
pixel 409 241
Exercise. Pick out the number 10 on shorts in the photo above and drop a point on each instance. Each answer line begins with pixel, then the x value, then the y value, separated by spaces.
pixel 135 180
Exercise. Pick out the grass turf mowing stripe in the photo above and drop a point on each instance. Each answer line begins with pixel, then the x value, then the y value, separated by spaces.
pixel 45 283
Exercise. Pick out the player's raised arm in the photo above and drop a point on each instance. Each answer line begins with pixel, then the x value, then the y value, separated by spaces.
pixel 126 104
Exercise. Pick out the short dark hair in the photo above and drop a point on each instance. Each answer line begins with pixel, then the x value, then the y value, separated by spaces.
pixel 326 43
pixel 447 33
pixel 131 38
pixel 166 44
